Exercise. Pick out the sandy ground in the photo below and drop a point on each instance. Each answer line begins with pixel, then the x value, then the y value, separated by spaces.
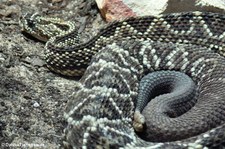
pixel 32 98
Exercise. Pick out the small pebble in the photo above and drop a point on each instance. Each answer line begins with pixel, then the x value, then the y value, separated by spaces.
pixel 36 104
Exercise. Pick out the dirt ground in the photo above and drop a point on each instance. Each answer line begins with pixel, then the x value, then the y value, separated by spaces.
pixel 32 98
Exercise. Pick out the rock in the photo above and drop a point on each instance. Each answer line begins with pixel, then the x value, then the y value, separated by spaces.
pixel 119 9
pixel 114 9
pixel 36 104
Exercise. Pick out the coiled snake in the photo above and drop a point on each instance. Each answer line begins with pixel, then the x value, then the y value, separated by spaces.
pixel 102 112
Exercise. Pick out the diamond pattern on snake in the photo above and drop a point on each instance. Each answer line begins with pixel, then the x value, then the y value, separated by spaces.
pixel 173 63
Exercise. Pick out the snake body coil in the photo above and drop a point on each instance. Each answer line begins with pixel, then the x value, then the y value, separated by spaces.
pixel 101 114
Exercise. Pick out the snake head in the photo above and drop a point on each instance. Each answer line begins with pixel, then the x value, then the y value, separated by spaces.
pixel 43 28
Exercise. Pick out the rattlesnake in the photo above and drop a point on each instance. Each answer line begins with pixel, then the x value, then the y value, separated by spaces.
pixel 102 110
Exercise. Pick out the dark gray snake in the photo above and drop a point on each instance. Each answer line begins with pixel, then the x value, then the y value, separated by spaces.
pixel 102 110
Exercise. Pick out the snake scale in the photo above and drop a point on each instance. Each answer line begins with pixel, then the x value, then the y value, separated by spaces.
pixel 102 111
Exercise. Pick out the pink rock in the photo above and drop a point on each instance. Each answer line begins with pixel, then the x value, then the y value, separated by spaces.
pixel 119 9
pixel 114 10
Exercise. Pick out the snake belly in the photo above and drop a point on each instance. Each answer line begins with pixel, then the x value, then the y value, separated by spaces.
pixel 120 55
